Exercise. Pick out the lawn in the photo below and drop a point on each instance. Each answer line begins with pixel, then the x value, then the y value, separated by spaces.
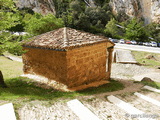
pixel 21 89
pixel 9 68
pixel 141 57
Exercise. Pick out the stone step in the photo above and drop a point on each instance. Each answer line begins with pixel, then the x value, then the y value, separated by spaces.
pixel 104 109
pixel 132 112
pixel 151 100
pixel 128 107
pixel 148 108
pixel 152 89
pixel 81 111
pixel 7 112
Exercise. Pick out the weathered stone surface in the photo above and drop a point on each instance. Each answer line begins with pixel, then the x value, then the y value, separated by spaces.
pixel 124 56
pixel 148 9
pixel 39 6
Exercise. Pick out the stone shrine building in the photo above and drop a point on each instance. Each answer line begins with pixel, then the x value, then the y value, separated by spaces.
pixel 74 58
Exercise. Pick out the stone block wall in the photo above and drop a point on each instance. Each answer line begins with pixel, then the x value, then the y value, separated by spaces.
pixel 81 66
pixel 48 63
pixel 86 65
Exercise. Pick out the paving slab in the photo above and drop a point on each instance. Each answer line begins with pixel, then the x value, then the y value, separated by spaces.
pixel 124 56
pixel 7 112
pixel 152 89
pixel 151 100
pixel 81 111
pixel 130 110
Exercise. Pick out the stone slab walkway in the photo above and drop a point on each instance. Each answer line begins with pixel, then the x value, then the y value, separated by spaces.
pixel 124 56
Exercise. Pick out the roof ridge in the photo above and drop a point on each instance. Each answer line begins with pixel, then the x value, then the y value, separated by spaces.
pixel 66 42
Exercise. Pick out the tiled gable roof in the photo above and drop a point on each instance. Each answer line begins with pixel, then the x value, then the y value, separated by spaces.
pixel 65 38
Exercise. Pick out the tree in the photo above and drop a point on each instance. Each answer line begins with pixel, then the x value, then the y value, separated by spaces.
pixel 135 30
pixel 153 31
pixel 8 18
pixel 111 29
pixel 38 24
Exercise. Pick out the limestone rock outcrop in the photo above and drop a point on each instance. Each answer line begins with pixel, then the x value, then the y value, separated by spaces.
pixel 148 9
pixel 39 6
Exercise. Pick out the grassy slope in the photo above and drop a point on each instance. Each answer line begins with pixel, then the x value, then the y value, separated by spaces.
pixel 140 57
pixel 20 89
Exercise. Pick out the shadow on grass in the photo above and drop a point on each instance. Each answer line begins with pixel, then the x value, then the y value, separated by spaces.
pixel 22 88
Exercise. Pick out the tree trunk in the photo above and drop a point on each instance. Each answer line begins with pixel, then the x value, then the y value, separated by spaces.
pixel 2 83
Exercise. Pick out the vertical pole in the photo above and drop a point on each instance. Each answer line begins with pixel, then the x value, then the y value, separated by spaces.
pixel 110 50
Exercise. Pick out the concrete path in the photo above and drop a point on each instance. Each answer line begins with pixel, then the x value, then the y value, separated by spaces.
pixel 124 56
pixel 7 112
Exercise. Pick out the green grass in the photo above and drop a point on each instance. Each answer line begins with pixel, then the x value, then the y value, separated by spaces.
pixel 152 84
pixel 21 89
pixel 140 57
pixel 9 68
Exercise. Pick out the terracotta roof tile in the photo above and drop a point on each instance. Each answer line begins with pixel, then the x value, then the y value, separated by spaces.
pixel 65 38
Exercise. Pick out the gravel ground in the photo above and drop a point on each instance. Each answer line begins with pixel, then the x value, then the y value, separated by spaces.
pixel 134 72
pixel 37 111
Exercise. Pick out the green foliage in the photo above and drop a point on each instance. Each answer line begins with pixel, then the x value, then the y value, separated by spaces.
pixel 101 2
pixel 38 24
pixel 153 30
pixel 152 84
pixel 135 30
pixel 122 16
pixel 61 6
pixel 8 14
pixel 97 14
pixel 82 22
pixel 111 29
pixel 11 43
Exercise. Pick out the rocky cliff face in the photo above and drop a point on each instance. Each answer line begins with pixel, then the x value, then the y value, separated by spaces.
pixel 40 6
pixel 155 11
pixel 148 9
